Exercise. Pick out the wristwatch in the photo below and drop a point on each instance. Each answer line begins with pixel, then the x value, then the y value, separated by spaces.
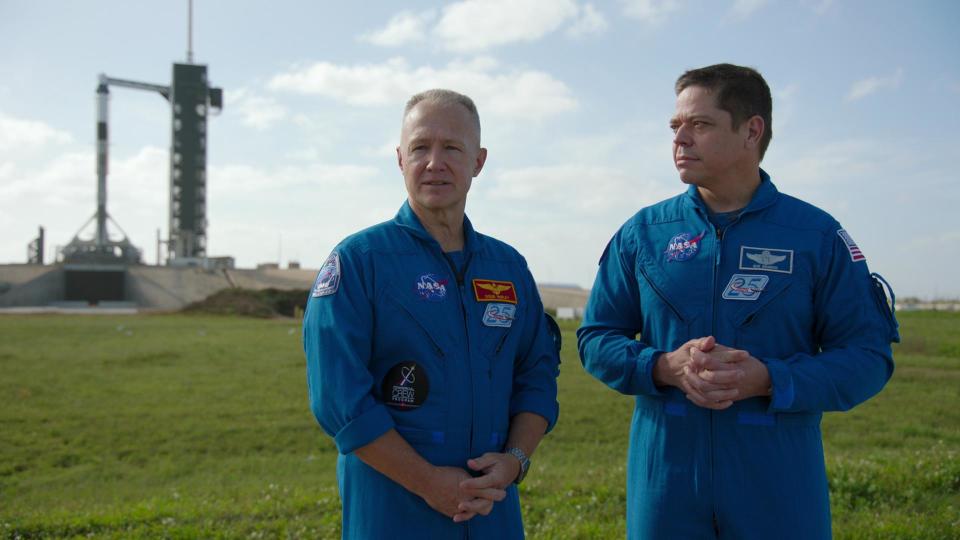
pixel 524 463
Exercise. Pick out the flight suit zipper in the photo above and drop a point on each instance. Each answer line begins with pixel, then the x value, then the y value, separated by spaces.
pixel 713 331
pixel 466 329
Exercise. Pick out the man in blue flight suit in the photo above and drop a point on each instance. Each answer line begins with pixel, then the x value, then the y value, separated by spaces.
pixel 755 313
pixel 430 360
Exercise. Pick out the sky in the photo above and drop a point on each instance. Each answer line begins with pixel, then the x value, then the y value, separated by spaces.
pixel 575 99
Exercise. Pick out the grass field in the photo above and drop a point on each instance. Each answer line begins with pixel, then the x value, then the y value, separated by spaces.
pixel 190 426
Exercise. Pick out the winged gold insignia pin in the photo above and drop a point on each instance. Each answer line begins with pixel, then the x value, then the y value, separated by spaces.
pixel 493 287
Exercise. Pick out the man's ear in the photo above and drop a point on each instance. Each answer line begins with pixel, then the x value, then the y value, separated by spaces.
pixel 399 159
pixel 756 127
pixel 481 159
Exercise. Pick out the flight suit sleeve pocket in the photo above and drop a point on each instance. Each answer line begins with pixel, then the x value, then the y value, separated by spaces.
pixel 880 288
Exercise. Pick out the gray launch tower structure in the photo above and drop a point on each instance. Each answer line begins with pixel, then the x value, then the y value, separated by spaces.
pixel 191 100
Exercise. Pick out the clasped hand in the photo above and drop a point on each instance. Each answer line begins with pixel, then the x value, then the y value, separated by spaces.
pixel 461 496
pixel 713 375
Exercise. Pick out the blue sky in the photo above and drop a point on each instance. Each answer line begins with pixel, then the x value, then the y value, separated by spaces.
pixel 574 98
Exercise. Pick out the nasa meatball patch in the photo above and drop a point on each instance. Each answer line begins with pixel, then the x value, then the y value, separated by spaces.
pixel 328 279
pixel 431 287
pixel 683 247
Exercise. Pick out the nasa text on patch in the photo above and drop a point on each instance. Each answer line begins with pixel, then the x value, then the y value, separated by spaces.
pixel 328 279
pixel 499 315
pixel 855 253
pixel 683 246
pixel 766 259
pixel 431 287
pixel 745 286
pixel 491 290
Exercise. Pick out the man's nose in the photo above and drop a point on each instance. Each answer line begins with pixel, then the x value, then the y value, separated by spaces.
pixel 681 137
pixel 435 158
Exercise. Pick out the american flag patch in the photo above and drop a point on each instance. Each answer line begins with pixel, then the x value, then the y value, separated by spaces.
pixel 855 253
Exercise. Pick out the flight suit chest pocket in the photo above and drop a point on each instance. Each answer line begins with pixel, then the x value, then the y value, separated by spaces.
pixel 666 320
pixel 656 288
pixel 409 368
pixel 767 301
pixel 400 326
pixel 499 322
pixel 773 324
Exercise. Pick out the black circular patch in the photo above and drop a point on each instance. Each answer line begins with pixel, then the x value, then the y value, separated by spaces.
pixel 405 386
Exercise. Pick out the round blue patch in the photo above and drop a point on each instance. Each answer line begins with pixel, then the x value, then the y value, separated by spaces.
pixel 432 287
pixel 682 247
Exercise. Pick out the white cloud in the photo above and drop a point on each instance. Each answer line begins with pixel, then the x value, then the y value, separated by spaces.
pixel 744 8
pixel 819 165
pixel 18 135
pixel 786 98
pixel 589 21
pixel 65 187
pixel 475 25
pixel 312 206
pixel 256 111
pixel 574 205
pixel 573 189
pixel 524 94
pixel 245 179
pixel 405 27
pixel 822 6
pixel 652 12
pixel 870 85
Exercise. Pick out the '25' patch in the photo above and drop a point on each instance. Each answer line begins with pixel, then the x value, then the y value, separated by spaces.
pixel 499 315
pixel 745 287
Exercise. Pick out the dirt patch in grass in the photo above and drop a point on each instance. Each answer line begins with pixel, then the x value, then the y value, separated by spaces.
pixel 265 303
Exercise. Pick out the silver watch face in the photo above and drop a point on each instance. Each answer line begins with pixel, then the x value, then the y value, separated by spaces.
pixel 524 463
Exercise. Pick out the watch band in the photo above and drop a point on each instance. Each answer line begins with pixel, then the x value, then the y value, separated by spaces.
pixel 524 463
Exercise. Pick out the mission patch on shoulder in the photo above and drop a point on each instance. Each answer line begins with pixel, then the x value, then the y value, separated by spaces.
pixel 328 279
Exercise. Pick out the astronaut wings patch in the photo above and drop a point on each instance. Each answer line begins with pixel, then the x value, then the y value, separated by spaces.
pixel 328 279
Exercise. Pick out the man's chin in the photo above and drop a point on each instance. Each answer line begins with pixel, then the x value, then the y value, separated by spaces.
pixel 688 178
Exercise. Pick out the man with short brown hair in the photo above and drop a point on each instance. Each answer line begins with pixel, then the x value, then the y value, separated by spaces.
pixel 755 312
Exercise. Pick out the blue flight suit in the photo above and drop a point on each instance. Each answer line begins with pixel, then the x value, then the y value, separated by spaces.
pixel 395 337
pixel 783 282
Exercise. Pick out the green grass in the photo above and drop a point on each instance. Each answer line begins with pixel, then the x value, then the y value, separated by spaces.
pixel 191 426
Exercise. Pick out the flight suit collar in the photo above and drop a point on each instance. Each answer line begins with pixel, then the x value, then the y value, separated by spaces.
pixel 408 220
pixel 765 196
